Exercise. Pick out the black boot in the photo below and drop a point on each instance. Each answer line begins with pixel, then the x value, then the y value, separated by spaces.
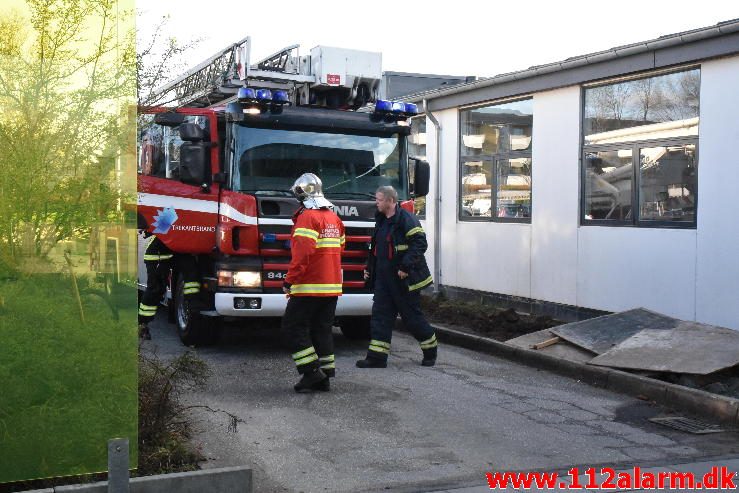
pixel 314 380
pixel 429 357
pixel 371 362
pixel 324 385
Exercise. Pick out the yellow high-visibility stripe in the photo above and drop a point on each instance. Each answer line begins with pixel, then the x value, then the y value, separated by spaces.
pixel 343 239
pixel 429 343
pixel 191 287
pixel 421 284
pixel 414 231
pixel 429 340
pixel 148 242
pixel 306 360
pixel 157 257
pixel 328 243
pixel 375 342
pixel 304 352
pixel 308 233
pixel 379 349
pixel 147 310
pixel 315 288
pixel 327 362
pixel 401 248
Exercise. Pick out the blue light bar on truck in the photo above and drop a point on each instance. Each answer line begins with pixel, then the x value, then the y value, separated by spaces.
pixel 396 107
pixel 246 93
pixel 280 97
pixel 264 94
pixel 411 109
pixel 382 105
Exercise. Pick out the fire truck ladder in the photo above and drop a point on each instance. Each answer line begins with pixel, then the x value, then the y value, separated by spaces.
pixel 217 79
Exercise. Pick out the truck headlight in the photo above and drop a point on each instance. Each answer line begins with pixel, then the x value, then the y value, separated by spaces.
pixel 239 279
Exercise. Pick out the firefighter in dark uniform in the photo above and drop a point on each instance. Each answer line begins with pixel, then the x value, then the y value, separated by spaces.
pixel 313 285
pixel 158 261
pixel 397 270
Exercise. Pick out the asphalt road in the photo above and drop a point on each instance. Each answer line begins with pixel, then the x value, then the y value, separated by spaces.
pixel 411 428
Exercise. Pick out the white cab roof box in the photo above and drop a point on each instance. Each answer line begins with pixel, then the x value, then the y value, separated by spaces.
pixel 335 67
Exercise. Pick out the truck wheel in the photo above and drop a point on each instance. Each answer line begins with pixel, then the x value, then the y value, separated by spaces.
pixel 355 328
pixel 171 312
pixel 193 328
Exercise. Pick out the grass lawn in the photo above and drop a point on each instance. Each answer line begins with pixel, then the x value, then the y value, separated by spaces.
pixel 66 388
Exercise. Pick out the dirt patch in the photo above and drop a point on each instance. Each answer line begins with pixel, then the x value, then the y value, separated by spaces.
pixel 504 324
pixel 495 323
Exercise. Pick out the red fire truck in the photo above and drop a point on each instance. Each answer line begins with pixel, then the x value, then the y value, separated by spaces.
pixel 217 159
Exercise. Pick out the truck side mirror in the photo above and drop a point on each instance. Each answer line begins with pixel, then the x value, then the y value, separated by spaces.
pixel 169 119
pixel 421 177
pixel 194 155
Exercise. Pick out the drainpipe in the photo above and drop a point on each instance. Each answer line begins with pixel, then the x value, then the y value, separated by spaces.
pixel 437 200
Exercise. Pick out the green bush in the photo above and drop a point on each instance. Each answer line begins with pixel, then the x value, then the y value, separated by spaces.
pixel 164 426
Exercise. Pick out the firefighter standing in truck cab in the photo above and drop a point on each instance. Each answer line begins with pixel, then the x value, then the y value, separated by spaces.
pixel 313 284
pixel 397 270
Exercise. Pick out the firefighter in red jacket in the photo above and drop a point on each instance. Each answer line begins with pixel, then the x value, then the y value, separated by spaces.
pixel 313 284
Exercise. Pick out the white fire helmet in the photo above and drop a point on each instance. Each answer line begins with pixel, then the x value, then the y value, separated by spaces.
pixel 309 190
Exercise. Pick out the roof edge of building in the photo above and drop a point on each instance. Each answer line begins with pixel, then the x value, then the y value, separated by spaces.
pixel 721 29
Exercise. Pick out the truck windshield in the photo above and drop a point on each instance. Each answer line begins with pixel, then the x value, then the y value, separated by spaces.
pixel 267 162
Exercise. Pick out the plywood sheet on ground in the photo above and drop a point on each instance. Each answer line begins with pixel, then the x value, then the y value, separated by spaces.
pixel 563 349
pixel 603 333
pixel 691 347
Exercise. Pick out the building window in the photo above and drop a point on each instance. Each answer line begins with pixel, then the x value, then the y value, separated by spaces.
pixel 640 165
pixel 417 148
pixel 495 162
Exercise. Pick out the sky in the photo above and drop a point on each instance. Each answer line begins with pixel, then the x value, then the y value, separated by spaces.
pixel 462 37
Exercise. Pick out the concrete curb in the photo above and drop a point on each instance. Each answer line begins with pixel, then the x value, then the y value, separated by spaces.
pixel 223 480
pixel 694 401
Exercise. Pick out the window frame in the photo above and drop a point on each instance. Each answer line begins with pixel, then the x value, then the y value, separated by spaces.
pixel 635 146
pixel 494 159
pixel 421 215
pixel 173 131
pixel 635 220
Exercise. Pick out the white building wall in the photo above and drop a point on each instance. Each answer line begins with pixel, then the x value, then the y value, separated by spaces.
pixel 688 274
pixel 481 256
pixel 555 172
pixel 448 258
pixel 623 268
pixel 717 284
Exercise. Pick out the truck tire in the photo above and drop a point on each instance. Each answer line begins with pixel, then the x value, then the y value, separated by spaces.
pixel 355 328
pixel 171 312
pixel 192 327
